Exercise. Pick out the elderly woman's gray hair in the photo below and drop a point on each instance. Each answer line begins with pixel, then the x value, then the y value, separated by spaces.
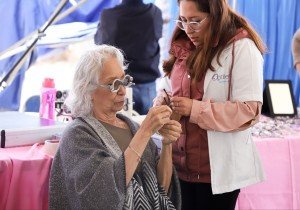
pixel 86 78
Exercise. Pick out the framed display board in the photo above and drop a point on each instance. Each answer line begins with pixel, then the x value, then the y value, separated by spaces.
pixel 279 99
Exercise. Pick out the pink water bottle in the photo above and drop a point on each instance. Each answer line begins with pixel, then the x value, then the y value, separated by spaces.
pixel 48 96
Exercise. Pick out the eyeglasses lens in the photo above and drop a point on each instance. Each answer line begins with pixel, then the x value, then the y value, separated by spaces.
pixel 127 80
pixel 194 26
pixel 180 25
pixel 116 84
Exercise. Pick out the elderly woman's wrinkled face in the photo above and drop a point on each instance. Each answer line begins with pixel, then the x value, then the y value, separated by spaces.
pixel 103 99
pixel 193 21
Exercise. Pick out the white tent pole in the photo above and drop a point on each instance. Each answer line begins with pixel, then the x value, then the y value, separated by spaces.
pixel 69 10
pixel 234 3
pixel 15 48
pixel 10 76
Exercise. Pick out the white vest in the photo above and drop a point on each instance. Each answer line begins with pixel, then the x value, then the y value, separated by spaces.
pixel 234 160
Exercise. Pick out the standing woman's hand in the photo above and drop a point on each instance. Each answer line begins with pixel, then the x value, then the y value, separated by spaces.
pixel 155 119
pixel 182 105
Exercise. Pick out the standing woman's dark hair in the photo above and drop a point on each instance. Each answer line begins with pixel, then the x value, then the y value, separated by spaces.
pixel 223 25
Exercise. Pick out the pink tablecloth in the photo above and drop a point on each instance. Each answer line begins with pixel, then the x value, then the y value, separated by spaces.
pixel 281 190
pixel 24 177
pixel 5 175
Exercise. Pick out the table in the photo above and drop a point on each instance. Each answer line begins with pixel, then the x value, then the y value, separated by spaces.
pixel 24 177
pixel 281 190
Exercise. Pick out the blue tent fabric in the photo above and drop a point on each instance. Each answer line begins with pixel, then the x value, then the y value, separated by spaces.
pixel 276 21
pixel 21 17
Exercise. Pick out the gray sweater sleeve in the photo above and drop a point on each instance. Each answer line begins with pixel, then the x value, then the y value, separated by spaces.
pixel 93 179
pixel 296 47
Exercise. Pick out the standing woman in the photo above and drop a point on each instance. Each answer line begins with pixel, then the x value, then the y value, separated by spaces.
pixel 216 72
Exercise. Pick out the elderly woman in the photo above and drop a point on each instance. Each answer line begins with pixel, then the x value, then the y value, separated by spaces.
pixel 105 160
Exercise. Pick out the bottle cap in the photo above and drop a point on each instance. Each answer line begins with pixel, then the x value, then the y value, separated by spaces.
pixel 48 83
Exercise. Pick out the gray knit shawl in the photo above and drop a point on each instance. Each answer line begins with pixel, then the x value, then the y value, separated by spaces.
pixel 88 171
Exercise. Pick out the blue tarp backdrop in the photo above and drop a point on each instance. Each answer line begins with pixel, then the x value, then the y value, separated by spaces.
pixel 275 20
pixel 19 18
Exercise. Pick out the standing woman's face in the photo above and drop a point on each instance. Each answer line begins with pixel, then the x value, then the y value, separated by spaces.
pixel 193 21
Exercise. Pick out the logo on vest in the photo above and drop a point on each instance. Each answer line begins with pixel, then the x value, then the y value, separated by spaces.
pixel 220 78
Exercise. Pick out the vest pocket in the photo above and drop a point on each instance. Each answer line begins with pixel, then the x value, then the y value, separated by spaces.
pixel 244 157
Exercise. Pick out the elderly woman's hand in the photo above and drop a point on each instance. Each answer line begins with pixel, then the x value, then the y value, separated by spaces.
pixel 155 119
pixel 170 132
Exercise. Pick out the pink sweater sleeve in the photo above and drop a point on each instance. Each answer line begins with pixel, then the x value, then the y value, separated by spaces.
pixel 225 116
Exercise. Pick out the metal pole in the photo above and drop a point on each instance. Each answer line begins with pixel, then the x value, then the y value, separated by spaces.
pixel 55 17
pixel 234 4
pixel 10 76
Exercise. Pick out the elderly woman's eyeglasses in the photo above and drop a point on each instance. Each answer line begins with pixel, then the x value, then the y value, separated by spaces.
pixel 193 25
pixel 117 83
